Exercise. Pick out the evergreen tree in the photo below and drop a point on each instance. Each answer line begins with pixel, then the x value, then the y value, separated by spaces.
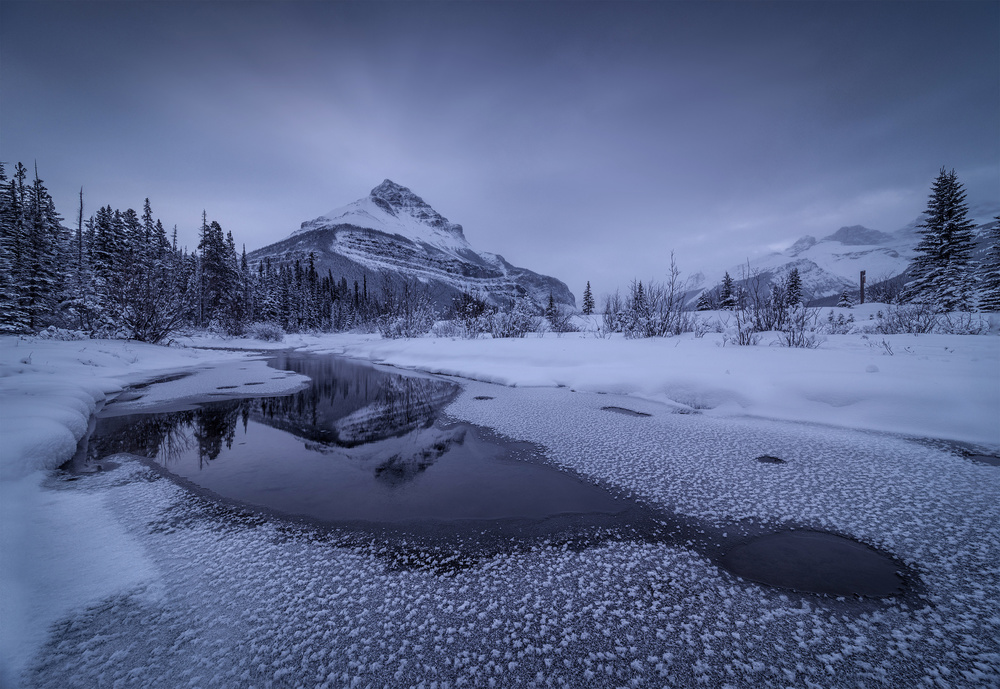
pixel 942 271
pixel 727 294
pixel 989 283
pixel 705 301
pixel 45 250
pixel 551 312
pixel 13 252
pixel 588 300
pixel 793 288
pixel 215 276
pixel 9 320
pixel 846 301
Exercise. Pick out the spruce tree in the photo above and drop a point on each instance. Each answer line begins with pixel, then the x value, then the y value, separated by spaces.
pixel 8 288
pixel 793 288
pixel 845 301
pixel 727 294
pixel 46 248
pixel 14 252
pixel 588 300
pixel 942 271
pixel 705 301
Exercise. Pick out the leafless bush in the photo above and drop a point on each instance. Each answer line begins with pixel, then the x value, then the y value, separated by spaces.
pixel 614 310
pixel 907 318
pixel 266 331
pixel 962 323
pixel 655 309
pixel 801 328
pixel 406 311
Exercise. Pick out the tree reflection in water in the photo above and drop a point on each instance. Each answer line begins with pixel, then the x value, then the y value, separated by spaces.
pixel 345 405
pixel 358 445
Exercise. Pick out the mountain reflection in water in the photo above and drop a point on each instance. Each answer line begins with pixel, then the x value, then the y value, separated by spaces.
pixel 359 444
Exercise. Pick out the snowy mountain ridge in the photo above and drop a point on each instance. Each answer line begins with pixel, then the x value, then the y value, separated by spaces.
pixel 830 265
pixel 394 209
pixel 392 235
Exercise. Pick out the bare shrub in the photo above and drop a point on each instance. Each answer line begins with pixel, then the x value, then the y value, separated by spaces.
pixel 801 328
pixel 266 331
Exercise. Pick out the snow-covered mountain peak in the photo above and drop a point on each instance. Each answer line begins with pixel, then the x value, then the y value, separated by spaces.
pixel 395 210
pixel 393 197
pixel 859 235
pixel 393 236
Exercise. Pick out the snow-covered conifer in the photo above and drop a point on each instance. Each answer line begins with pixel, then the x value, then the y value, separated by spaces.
pixel 793 288
pixel 727 294
pixel 942 271
pixel 588 300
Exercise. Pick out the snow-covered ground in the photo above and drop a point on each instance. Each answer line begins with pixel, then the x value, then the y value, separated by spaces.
pixel 126 579
pixel 60 552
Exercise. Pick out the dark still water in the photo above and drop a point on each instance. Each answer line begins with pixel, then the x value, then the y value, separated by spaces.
pixel 359 444
pixel 367 451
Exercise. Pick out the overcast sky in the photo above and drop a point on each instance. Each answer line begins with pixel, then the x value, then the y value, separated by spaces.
pixel 584 140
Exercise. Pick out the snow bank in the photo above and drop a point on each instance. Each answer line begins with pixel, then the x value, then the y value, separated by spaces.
pixel 62 552
pixel 936 386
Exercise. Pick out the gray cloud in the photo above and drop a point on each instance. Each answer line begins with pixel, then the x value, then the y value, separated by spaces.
pixel 584 140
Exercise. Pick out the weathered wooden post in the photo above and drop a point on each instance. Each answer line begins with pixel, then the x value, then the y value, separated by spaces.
pixel 862 287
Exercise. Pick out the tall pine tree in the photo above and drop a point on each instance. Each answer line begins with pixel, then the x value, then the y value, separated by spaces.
pixel 793 288
pixel 942 271
pixel 588 300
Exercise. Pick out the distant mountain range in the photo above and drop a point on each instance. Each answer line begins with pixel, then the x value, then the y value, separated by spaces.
pixel 392 236
pixel 830 265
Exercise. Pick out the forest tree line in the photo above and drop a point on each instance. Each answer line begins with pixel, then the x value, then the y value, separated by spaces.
pixel 119 274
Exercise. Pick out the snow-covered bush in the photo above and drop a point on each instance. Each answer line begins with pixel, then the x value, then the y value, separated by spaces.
pixel 266 331
pixel 801 328
pixel 405 311
pixel 54 333
pixel 471 313
pixel 740 330
pixel 838 325
pixel 447 328
pixel 614 316
pixel 559 319
pixel 517 321
pixel 407 324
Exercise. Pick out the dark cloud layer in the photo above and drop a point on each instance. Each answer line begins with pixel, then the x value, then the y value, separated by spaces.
pixel 581 139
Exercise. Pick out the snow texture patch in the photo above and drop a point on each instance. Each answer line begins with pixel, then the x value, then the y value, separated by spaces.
pixel 61 552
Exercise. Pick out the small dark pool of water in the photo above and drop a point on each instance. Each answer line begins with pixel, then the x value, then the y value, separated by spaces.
pixel 816 562
pixel 626 412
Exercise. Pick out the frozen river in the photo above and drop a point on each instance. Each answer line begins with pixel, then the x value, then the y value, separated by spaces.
pixel 244 597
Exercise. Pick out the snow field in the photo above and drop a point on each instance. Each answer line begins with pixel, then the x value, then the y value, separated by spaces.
pixel 939 386
pixel 62 551
pixel 253 602
pixel 241 600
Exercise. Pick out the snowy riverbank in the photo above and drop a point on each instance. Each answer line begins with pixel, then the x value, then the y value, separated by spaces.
pixel 61 552
pixel 622 611
pixel 928 386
